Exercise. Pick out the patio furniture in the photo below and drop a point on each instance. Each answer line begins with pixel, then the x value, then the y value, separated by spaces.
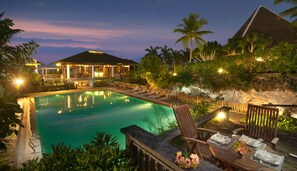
pixel 161 94
pixel 261 122
pixel 250 161
pixel 195 138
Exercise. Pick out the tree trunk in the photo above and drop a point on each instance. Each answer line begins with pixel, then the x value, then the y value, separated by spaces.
pixel 191 50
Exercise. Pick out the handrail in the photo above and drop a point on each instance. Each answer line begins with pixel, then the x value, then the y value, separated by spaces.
pixel 150 152
pixel 33 145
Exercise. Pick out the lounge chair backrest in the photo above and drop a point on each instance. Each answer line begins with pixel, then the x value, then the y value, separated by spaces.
pixel 185 121
pixel 261 122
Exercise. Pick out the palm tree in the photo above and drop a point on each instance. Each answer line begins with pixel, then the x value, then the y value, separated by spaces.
pixel 166 55
pixel 190 29
pixel 292 12
pixel 152 51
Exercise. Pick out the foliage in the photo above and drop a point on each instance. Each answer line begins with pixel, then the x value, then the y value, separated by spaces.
pixel 184 76
pixel 292 12
pixel 287 124
pixel 202 108
pixel 191 31
pixel 9 121
pixel 100 83
pixel 102 153
pixel 283 58
pixel 13 59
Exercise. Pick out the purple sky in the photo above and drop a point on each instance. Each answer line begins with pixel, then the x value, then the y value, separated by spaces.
pixel 123 28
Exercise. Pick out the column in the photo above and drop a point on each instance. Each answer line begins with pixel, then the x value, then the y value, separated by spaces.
pixel 92 71
pixel 68 71
pixel 112 71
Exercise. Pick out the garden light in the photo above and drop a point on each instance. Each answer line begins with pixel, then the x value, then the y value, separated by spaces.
pixel 221 116
pixel 19 81
pixel 174 74
pixel 220 70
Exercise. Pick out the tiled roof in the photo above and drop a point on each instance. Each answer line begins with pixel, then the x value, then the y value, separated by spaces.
pixel 95 57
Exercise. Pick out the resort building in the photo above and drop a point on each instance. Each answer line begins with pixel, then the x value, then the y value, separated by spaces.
pixel 270 24
pixel 90 65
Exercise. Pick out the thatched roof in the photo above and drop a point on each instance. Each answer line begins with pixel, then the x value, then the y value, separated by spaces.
pixel 95 57
pixel 268 23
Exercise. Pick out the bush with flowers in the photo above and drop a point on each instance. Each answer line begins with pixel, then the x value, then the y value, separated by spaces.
pixel 186 161
pixel 240 147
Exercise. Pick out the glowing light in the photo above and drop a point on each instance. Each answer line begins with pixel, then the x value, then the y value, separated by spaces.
pixel 221 116
pixel 58 64
pixel 220 70
pixel 259 59
pixel 19 81
pixel 101 93
pixel 174 74
pixel 100 74
pixel 60 111
pixel 94 51
pixel 96 93
pixel 127 100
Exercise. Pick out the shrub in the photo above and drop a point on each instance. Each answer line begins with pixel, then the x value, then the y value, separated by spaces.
pixel 287 124
pixel 102 153
pixel 100 83
pixel 201 109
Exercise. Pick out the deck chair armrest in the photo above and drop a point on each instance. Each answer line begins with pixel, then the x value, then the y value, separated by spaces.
pixel 195 140
pixel 238 130
pixel 207 130
pixel 275 140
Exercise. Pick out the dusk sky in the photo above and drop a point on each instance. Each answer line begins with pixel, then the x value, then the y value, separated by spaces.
pixel 124 28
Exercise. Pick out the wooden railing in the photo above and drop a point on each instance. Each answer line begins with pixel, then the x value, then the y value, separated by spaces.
pixel 152 153
pixel 240 108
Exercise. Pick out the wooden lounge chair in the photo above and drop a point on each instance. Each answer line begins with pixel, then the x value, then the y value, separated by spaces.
pixel 143 91
pixel 136 88
pixel 261 122
pixel 161 94
pixel 195 138
pixel 151 92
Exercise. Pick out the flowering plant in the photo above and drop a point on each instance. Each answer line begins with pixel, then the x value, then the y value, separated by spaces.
pixel 187 162
pixel 241 147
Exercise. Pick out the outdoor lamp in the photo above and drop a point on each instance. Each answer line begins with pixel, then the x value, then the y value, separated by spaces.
pixel 220 70
pixel 221 116
pixel 19 82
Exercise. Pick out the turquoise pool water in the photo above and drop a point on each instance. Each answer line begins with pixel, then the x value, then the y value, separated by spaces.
pixel 75 118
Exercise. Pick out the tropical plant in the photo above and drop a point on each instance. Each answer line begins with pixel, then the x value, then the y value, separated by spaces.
pixel 9 120
pixel 152 51
pixel 102 153
pixel 166 55
pixel 209 51
pixel 190 29
pixel 292 12
pixel 202 108
pixel 12 62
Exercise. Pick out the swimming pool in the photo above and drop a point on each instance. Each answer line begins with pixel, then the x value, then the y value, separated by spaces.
pixel 75 118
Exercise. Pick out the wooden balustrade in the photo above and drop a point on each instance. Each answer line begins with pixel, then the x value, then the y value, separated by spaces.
pixel 152 153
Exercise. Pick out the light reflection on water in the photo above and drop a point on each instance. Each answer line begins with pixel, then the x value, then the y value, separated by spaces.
pixel 75 118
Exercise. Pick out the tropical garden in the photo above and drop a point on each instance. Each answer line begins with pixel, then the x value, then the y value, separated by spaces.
pixel 250 62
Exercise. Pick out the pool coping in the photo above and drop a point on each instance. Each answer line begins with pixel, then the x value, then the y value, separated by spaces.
pixel 22 151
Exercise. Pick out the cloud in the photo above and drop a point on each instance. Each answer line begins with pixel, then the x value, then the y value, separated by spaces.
pixel 58 30
pixel 57 42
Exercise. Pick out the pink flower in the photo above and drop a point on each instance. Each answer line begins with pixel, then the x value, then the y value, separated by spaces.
pixel 188 163
pixel 179 154
pixel 194 156
pixel 195 162
pixel 177 160
pixel 182 160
